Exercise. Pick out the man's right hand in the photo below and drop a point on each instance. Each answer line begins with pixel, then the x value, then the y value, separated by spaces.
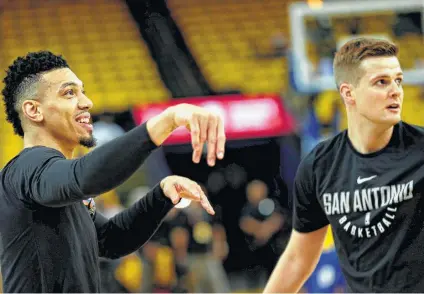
pixel 203 124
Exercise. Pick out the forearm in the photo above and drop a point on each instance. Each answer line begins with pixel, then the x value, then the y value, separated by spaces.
pixel 109 165
pixel 130 229
pixel 288 276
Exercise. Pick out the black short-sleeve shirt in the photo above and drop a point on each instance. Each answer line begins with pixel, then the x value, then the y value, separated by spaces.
pixel 374 204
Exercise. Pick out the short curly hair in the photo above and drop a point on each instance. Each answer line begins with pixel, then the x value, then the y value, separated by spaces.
pixel 21 81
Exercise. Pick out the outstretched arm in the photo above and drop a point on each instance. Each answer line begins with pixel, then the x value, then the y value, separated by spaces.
pixel 51 180
pixel 130 229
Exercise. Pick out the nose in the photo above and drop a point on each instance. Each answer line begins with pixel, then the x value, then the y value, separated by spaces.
pixel 85 102
pixel 395 90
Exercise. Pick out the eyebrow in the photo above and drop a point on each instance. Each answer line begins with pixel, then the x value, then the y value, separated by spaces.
pixel 386 75
pixel 70 84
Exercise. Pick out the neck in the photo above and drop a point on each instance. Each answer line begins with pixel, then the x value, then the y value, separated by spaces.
pixel 40 138
pixel 367 137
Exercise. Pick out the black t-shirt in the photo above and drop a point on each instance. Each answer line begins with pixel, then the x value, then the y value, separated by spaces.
pixel 51 237
pixel 375 206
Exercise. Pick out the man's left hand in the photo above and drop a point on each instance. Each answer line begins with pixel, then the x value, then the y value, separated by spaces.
pixel 176 187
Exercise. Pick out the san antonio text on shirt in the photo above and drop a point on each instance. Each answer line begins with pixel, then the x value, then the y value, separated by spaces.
pixel 367 213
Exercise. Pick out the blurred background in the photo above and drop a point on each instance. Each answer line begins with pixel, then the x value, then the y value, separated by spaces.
pixel 264 65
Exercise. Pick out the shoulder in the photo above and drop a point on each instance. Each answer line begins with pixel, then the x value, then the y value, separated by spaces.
pixel 411 131
pixel 20 171
pixel 31 158
pixel 408 137
pixel 323 153
pixel 40 152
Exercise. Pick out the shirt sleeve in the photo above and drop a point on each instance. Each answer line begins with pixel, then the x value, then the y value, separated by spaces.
pixel 128 230
pixel 44 176
pixel 308 214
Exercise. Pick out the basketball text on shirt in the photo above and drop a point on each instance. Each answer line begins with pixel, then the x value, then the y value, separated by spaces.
pixel 368 212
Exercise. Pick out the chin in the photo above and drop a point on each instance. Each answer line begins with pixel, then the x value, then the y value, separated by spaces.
pixel 396 119
pixel 88 142
pixel 392 120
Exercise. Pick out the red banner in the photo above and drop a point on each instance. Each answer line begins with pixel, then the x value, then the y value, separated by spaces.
pixel 245 117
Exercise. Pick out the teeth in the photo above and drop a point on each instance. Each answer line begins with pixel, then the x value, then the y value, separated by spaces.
pixel 84 120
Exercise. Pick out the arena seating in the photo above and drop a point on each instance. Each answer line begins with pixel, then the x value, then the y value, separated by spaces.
pixel 231 41
pixel 100 41
pixel 410 44
pixel 223 35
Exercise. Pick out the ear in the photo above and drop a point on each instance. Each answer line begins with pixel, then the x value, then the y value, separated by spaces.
pixel 32 110
pixel 346 91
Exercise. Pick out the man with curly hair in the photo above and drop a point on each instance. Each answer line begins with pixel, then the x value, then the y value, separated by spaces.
pixel 51 236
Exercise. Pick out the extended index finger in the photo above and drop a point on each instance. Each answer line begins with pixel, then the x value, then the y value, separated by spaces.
pixel 206 204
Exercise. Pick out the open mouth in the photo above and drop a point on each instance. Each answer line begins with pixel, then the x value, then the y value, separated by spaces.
pixel 84 121
pixel 393 106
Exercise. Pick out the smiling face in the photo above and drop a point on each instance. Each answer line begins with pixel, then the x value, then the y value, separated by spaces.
pixel 378 96
pixel 62 108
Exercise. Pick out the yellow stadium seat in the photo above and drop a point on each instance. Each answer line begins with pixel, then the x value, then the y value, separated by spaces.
pixel 221 35
pixel 324 106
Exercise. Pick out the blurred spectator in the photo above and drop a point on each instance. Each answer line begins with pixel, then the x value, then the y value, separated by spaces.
pixel 261 220
pixel 216 182
pixel 207 250
pixel 122 275
pixel 235 175
pixel 186 253
pixel 261 217
pixel 354 25
pixel 322 35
